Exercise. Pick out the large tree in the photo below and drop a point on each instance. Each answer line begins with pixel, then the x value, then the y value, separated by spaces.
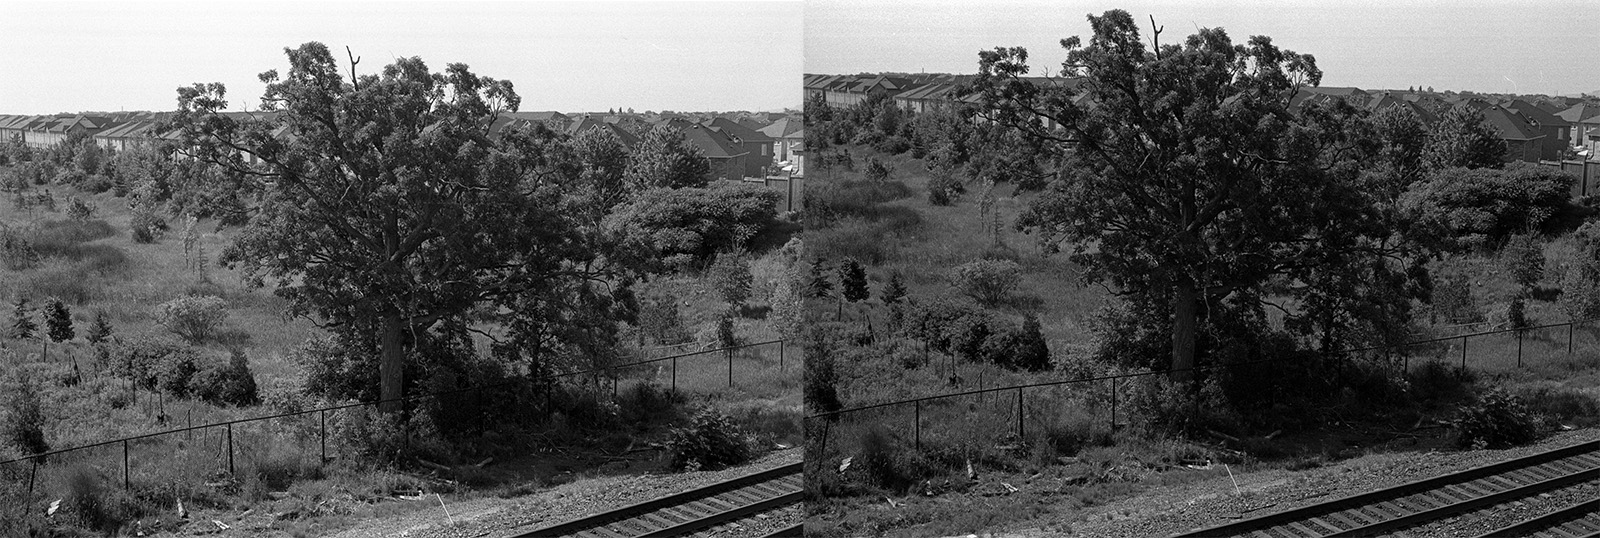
pixel 1186 177
pixel 387 205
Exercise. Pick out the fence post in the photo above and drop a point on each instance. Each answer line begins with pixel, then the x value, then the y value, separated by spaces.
pixel 230 449
pixel 780 355
pixel 614 387
pixel 674 375
pixel 1463 352
pixel 730 367
pixel 127 482
pixel 1019 415
pixel 33 474
pixel 1519 348
pixel 918 427
pixel 324 439
pixel 1569 336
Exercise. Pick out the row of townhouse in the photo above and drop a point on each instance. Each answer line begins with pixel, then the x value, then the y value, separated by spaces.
pixel 1533 131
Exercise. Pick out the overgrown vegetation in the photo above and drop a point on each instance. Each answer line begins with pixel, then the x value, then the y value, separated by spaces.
pixel 1333 230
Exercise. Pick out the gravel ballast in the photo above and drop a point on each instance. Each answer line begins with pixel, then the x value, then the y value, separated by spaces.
pixel 1187 507
pixel 495 517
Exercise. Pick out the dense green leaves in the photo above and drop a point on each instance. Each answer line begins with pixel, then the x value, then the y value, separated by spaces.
pixel 665 159
pixel 388 204
pixel 671 228
pixel 1484 205
pixel 1185 177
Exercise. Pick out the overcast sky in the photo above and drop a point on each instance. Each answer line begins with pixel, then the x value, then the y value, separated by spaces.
pixel 566 56
pixel 1549 46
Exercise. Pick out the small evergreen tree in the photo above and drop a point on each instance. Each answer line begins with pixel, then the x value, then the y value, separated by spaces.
pixel 894 291
pixel 100 329
pixel 853 281
pixel 58 320
pixel 818 285
pixel 22 325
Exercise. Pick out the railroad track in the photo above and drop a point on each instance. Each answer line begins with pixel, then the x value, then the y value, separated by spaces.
pixel 1388 510
pixel 691 511
pixel 1580 520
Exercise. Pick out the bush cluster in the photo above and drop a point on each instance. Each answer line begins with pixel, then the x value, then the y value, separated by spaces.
pixel 976 334
pixel 711 440
pixel 1497 420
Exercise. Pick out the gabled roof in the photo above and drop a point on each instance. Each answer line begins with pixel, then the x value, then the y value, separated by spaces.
pixel 585 123
pixel 1533 113
pixel 740 132
pixel 1510 125
pixel 714 143
pixel 784 128
pixel 1580 113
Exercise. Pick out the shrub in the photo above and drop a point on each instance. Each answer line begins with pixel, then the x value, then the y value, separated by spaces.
pixel 80 210
pixel 877 170
pixel 1497 420
pixel 16 249
pixel 886 466
pixel 1484 204
pixel 990 282
pixel 1021 347
pixel 821 380
pixel 24 421
pixel 156 363
pixel 227 383
pixel 711 440
pixel 1556 406
pixel 1523 257
pixel 730 276
pixel 338 367
pixel 89 500
pixel 195 318
pixel 944 190
pixel 659 319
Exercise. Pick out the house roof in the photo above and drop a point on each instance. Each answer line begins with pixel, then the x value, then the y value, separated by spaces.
pixel 1533 113
pixel 732 128
pixel 714 143
pixel 585 123
pixel 784 128
pixel 1510 125
pixel 1580 113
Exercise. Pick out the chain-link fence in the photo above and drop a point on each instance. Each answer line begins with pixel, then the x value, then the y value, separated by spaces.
pixel 266 451
pixel 1095 407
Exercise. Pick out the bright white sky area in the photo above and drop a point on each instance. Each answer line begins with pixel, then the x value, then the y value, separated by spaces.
pixel 1548 47
pixel 582 56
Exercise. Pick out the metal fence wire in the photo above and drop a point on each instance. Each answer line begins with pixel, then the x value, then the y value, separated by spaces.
pixel 271 445
pixel 1007 414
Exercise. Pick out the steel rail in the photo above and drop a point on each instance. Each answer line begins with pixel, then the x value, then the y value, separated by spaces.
pixel 1581 520
pixel 1378 512
pixel 664 516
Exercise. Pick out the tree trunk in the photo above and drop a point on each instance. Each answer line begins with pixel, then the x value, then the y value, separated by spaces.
pixel 391 365
pixel 1185 319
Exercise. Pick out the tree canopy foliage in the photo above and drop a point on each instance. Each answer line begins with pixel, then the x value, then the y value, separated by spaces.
pixel 1185 178
pixel 389 207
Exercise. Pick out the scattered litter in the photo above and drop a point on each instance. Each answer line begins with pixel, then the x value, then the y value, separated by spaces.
pixel 846 463
pixel 892 504
pixel 220 525
pixel 1010 487
pixel 54 505
pixel 971 474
